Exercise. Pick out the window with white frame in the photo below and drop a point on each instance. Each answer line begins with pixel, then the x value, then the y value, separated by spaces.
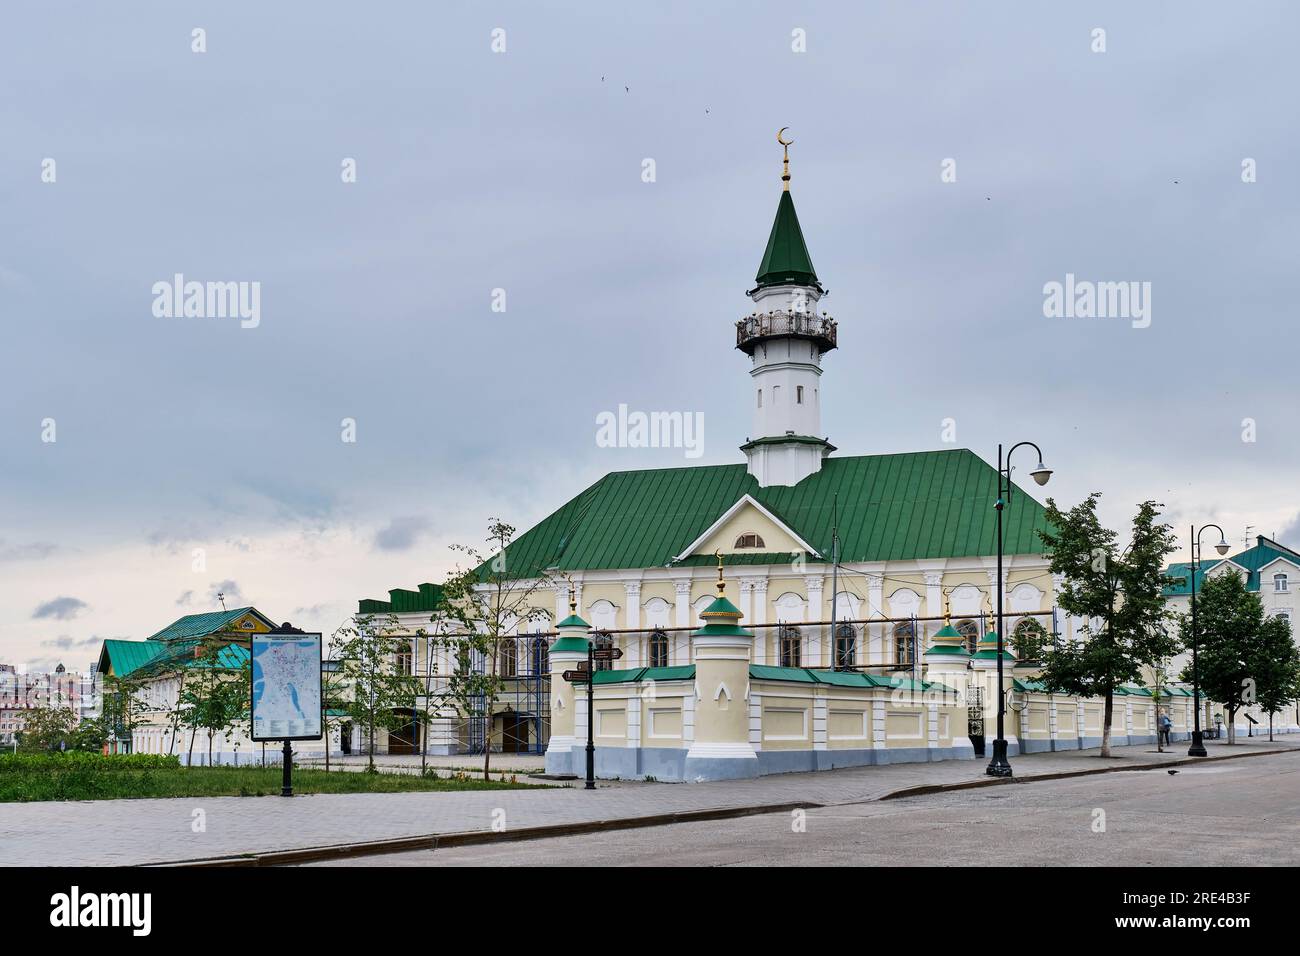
pixel 1279 582
pixel 658 649
pixel 791 647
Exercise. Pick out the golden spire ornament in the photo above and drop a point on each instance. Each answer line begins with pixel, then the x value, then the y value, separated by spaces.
pixel 722 586
pixel 785 168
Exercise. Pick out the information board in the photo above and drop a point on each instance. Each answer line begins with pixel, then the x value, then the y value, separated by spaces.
pixel 287 701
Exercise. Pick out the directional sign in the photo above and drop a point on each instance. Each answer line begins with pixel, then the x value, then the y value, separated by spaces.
pixel 606 653
pixel 576 677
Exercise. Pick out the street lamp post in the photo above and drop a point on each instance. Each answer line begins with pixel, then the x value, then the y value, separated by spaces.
pixel 1197 749
pixel 999 766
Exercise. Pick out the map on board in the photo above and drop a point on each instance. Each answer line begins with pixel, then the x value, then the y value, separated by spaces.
pixel 286 686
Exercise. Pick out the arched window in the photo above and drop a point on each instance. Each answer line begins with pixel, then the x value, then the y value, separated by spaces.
pixel 791 646
pixel 904 643
pixel 507 657
pixel 1279 582
pixel 1028 640
pixel 970 633
pixel 541 656
pixel 846 647
pixel 749 540
pixel 658 649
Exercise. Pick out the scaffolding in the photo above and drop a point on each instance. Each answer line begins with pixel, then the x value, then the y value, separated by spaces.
pixel 520 720
pixel 522 705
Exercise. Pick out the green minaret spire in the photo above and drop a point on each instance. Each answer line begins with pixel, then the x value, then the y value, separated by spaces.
pixel 786 260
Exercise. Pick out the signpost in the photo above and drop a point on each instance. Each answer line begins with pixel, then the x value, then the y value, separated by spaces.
pixel 287 703
pixel 583 676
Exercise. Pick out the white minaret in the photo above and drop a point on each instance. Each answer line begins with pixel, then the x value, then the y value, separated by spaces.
pixel 785 338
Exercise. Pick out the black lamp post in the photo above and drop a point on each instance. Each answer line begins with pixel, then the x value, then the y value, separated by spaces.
pixel 1197 749
pixel 999 766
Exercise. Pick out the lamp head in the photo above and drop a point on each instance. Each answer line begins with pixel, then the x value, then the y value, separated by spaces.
pixel 1041 473
pixel 1222 546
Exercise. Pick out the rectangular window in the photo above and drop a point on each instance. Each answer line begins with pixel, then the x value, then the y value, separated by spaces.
pixel 776 394
pixel 798 394
pixel 760 398
pixel 1279 582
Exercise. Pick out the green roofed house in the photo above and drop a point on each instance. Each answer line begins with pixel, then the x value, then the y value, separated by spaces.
pixel 156 669
pixel 1272 571
pixel 910 529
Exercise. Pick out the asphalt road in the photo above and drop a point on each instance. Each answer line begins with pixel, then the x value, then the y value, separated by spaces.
pixel 1238 813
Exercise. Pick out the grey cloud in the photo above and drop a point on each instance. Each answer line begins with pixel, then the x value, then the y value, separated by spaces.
pixel 60 609
pixel 63 642
pixel 401 534
pixel 234 597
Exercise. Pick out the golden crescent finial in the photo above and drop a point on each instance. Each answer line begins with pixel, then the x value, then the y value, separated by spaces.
pixel 721 584
pixel 785 160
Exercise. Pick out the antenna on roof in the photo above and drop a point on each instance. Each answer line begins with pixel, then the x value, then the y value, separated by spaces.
pixel 1245 538
pixel 222 598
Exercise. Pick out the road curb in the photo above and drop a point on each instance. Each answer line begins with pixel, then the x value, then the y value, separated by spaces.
pixel 1066 774
pixel 462 838
pixel 478 837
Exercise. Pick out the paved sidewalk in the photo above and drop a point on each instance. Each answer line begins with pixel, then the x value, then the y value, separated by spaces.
pixel 126 832
pixel 500 763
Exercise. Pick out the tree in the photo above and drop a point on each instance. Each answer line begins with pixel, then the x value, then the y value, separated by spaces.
pixel 485 605
pixel 215 699
pixel 47 730
pixel 334 696
pixel 1119 596
pixel 368 653
pixel 1243 657
pixel 122 704
pixel 1277 669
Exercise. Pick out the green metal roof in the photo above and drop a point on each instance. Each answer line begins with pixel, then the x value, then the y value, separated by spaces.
pixel 891 507
pixel 1179 571
pixel 801 675
pixel 401 600
pixel 786 260
pixel 565 644
pixel 201 625
pixel 1264 551
pixel 126 657
pixel 1028 685
pixel 141 658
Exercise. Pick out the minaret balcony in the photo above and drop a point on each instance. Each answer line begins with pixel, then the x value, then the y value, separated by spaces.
pixel 760 326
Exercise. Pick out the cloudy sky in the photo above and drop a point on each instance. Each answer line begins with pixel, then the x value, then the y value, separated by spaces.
pixel 522 171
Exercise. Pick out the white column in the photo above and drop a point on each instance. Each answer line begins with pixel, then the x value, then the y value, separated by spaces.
pixel 632 617
pixel 681 639
pixel 875 608
pixel 816 606
pixel 561 600
pixel 759 607
pixel 933 605
pixel 743 601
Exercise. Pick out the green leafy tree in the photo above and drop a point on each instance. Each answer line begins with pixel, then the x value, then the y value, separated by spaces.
pixel 1243 657
pixel 1117 592
pixel 1277 669
pixel 214 699
pixel 46 730
pixel 381 691
pixel 90 735
pixel 334 697
pixel 123 702
pixel 486 605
